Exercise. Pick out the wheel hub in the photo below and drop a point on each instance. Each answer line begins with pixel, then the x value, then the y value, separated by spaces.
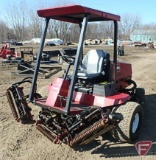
pixel 135 123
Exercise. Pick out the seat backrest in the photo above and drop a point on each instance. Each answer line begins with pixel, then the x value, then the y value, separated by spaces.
pixel 93 61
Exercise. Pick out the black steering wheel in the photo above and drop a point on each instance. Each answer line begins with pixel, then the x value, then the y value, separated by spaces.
pixel 69 59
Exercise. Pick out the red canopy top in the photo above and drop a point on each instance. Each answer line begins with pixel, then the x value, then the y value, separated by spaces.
pixel 75 14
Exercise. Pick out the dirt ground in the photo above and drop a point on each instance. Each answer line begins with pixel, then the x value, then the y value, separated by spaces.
pixel 25 142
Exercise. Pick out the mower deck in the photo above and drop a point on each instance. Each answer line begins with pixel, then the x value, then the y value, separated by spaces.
pixel 84 137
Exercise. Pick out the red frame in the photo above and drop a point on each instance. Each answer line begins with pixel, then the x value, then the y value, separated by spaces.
pixel 60 87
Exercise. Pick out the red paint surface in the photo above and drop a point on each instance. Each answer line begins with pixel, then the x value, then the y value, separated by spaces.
pixel 60 88
pixel 57 90
pixel 100 101
pixel 75 13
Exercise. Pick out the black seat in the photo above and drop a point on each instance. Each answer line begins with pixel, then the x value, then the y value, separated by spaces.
pixel 93 65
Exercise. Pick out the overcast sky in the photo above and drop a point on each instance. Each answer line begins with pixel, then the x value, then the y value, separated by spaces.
pixel 146 9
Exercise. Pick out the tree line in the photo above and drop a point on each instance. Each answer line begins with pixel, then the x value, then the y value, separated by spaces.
pixel 22 23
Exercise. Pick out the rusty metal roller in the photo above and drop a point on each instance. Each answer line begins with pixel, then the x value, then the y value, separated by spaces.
pixel 12 105
pixel 88 132
pixel 49 134
pixel 99 133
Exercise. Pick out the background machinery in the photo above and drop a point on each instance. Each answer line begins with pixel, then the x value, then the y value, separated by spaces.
pixel 7 51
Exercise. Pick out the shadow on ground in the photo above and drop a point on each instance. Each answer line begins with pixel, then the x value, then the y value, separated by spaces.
pixel 109 148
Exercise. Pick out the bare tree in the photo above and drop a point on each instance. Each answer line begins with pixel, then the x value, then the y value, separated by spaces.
pixel 6 33
pixel 54 29
pixel 74 33
pixel 65 31
pixel 92 31
pixel 16 16
pixel 3 31
pixel 60 29
pixel 35 24
pixel 106 29
pixel 129 22
pixel 151 26
pixel 26 24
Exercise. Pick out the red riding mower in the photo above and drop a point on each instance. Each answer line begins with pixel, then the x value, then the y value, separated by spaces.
pixel 98 97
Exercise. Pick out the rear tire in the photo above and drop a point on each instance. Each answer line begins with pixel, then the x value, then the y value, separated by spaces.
pixel 128 130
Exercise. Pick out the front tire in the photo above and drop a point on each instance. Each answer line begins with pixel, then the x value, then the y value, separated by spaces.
pixel 128 130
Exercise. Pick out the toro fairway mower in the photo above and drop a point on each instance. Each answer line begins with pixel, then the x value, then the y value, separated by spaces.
pixel 98 97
